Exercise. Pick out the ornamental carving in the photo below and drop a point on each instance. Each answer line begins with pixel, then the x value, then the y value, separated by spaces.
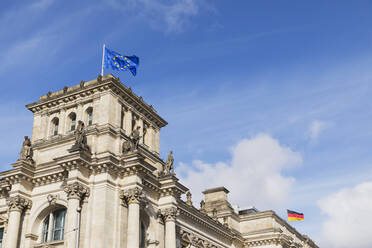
pixel 133 195
pixel 26 151
pixel 52 199
pixel 170 214
pixel 18 203
pixel 76 191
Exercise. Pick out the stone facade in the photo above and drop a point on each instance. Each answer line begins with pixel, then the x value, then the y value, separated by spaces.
pixel 89 180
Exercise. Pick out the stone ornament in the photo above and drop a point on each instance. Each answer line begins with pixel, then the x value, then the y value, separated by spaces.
pixel 202 206
pixel 82 83
pixel 26 151
pixel 131 145
pixel 76 190
pixel 80 138
pixel 18 203
pixel 188 198
pixel 169 168
pixel 99 78
pixel 132 195
pixel 170 214
pixel 52 199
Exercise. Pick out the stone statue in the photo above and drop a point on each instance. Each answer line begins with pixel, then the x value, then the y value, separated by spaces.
pixel 135 136
pixel 169 168
pixel 188 198
pixel 80 137
pixel 26 152
pixel 127 146
pixel 202 206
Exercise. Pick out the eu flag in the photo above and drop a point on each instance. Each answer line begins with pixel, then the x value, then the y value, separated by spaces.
pixel 120 62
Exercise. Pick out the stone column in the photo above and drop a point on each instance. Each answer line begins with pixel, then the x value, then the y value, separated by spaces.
pixel 170 215
pixel 132 197
pixel 75 194
pixel 16 206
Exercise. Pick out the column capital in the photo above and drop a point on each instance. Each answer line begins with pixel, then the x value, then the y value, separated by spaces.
pixel 170 214
pixel 18 203
pixel 132 195
pixel 76 190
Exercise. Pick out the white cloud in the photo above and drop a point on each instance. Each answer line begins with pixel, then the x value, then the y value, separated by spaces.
pixel 316 127
pixel 349 219
pixel 171 16
pixel 254 176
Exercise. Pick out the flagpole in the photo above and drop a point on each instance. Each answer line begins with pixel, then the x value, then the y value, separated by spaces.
pixel 103 58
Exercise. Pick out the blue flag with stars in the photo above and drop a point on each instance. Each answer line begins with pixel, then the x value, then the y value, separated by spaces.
pixel 120 62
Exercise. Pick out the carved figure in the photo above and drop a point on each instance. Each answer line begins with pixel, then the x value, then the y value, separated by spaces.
pixel 188 198
pixel 80 137
pixel 82 83
pixel 202 206
pixel 127 146
pixel 26 152
pixel 135 135
pixel 169 168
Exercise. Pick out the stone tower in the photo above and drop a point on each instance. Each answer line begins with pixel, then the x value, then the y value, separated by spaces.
pixel 91 176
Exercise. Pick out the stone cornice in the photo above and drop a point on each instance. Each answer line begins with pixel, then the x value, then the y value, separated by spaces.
pixel 190 212
pixel 169 185
pixel 274 239
pixel 196 240
pixel 108 82
pixel 262 231
pixel 272 214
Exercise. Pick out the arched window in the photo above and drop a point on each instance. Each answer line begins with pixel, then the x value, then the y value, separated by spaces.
pixel 55 124
pixel 54 226
pixel 90 116
pixel 72 117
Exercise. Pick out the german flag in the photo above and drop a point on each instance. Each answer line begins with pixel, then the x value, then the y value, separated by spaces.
pixel 293 216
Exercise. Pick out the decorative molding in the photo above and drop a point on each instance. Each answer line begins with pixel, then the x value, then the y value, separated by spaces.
pixel 106 83
pixel 274 239
pixel 52 199
pixel 76 190
pixel 196 240
pixel 169 214
pixel 18 203
pixel 132 195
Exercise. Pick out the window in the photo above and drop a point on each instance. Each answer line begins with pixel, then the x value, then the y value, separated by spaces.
pixel 44 237
pixel 55 124
pixel 1 236
pixel 72 117
pixel 90 116
pixel 53 226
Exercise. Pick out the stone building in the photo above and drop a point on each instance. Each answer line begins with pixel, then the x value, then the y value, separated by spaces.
pixel 91 176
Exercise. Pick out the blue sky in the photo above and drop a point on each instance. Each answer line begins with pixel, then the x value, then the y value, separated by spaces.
pixel 294 76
